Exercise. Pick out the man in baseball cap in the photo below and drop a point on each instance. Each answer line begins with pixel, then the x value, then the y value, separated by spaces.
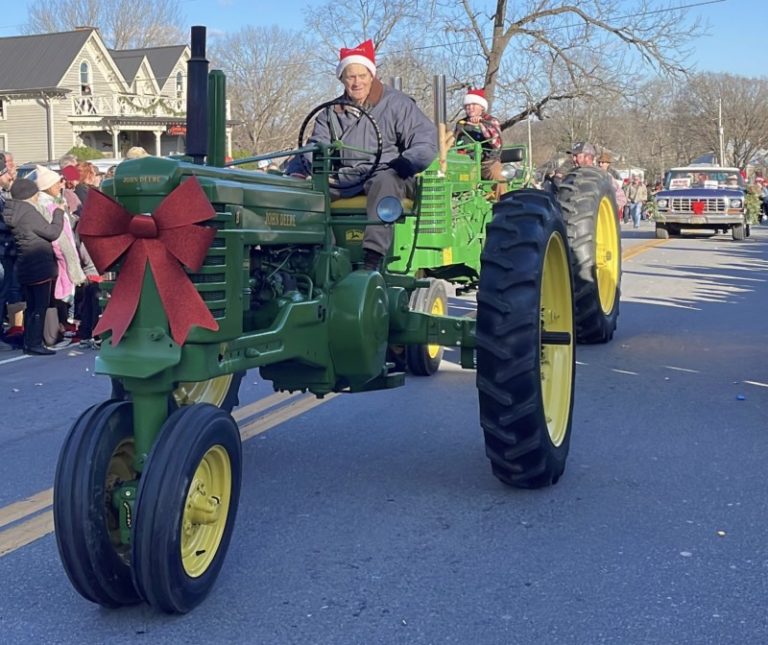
pixel 582 154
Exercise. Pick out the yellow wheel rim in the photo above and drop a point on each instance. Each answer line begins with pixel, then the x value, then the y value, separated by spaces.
pixel 212 391
pixel 439 309
pixel 205 511
pixel 557 358
pixel 607 255
pixel 119 470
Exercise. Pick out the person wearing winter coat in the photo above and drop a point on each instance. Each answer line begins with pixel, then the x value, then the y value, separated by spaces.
pixel 7 251
pixel 637 195
pixel 409 143
pixel 36 265
pixel 70 275
pixel 479 126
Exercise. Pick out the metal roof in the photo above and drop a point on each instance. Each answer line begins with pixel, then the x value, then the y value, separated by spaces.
pixel 38 61
pixel 161 59
pixel 128 62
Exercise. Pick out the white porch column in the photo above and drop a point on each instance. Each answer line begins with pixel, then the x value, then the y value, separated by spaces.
pixel 158 151
pixel 116 143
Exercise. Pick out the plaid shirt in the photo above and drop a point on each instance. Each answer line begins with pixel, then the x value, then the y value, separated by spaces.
pixel 487 132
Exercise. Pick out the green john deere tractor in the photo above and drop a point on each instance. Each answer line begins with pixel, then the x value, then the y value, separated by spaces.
pixel 220 270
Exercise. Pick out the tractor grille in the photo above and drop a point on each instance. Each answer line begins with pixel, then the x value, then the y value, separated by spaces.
pixel 211 279
pixel 434 212
pixel 686 205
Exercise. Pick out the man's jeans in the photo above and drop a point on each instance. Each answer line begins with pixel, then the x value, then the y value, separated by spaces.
pixel 636 211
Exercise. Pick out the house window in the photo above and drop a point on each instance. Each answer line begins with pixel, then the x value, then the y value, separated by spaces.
pixel 85 79
pixel 179 85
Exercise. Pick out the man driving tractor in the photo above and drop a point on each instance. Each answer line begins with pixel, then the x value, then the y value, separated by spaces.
pixel 409 143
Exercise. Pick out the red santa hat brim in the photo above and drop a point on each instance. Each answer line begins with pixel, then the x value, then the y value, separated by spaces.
pixel 477 99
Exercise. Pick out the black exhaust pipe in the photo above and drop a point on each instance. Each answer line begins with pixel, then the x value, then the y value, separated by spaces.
pixel 197 98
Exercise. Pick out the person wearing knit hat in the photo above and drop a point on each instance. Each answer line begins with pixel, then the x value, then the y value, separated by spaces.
pixel 480 127
pixel 36 261
pixel 45 177
pixel 408 144
pixel 70 271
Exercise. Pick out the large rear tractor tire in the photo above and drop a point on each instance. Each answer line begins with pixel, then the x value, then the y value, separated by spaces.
pixel 97 456
pixel 186 506
pixel 588 202
pixel 525 341
pixel 424 360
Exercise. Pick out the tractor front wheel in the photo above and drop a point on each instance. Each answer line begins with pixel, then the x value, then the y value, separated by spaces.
pixel 525 341
pixel 97 456
pixel 186 506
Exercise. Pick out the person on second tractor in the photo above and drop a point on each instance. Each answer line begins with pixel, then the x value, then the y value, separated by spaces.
pixel 479 126
pixel 582 154
pixel 409 143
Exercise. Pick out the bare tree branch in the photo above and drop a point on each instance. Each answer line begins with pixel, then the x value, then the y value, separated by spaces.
pixel 122 24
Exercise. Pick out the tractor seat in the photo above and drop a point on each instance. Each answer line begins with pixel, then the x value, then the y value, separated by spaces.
pixel 358 204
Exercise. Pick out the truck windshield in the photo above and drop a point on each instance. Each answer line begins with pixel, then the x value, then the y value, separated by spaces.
pixel 703 178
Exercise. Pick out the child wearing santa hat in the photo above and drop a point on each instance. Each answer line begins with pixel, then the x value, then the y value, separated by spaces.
pixel 479 126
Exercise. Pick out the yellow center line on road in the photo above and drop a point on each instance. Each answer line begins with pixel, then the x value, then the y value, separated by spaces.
pixel 41 525
pixel 640 248
pixel 26 507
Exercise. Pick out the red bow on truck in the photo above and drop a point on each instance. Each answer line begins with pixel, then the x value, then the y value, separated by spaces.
pixel 166 239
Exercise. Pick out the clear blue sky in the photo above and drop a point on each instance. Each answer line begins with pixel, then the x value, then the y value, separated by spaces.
pixel 735 44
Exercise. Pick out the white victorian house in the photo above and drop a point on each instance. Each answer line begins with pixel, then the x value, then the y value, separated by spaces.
pixel 67 89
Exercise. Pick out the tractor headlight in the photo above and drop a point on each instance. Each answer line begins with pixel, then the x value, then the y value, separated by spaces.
pixel 509 171
pixel 389 209
pixel 736 203
pixel 662 203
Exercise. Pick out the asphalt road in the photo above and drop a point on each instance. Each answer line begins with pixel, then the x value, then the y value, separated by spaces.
pixel 375 519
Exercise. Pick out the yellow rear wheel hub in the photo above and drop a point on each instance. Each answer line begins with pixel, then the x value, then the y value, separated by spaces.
pixel 212 391
pixel 607 255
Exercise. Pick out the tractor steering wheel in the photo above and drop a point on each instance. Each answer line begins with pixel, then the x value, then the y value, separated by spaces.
pixel 363 113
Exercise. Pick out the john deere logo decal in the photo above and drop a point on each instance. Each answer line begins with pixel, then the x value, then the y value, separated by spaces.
pixel 354 235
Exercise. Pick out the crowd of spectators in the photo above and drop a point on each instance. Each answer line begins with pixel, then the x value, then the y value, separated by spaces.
pixel 49 287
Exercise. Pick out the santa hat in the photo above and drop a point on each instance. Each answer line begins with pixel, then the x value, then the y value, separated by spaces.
pixel 363 54
pixel 476 96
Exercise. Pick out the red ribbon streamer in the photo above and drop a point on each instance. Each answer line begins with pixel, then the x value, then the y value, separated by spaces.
pixel 166 240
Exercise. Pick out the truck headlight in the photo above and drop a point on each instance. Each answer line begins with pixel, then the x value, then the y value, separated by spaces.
pixel 662 203
pixel 736 203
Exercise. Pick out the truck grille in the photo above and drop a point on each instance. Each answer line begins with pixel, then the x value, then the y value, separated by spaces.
pixel 711 205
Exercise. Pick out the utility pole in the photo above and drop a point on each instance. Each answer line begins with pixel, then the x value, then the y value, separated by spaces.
pixel 721 137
